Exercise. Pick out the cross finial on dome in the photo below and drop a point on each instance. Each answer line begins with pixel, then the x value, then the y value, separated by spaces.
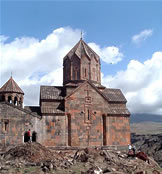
pixel 81 35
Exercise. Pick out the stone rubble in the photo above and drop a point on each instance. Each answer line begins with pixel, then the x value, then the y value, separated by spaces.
pixel 20 159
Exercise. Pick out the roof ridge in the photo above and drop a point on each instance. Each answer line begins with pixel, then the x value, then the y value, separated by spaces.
pixel 85 46
pixel 93 86
pixel 22 109
pixel 90 48
pixel 71 49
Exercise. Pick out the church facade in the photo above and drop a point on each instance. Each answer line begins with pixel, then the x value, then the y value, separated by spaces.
pixel 80 113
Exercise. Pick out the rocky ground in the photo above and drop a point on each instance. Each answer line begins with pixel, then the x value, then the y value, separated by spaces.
pixel 33 158
pixel 150 144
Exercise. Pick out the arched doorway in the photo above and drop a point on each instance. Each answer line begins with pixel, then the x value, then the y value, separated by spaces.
pixel 26 137
pixel 9 99
pixel 34 136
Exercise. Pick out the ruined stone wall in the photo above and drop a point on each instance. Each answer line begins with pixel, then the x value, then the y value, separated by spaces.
pixel 84 109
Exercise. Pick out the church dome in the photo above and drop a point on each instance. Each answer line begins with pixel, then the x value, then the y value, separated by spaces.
pixel 81 63
pixel 11 86
pixel 11 92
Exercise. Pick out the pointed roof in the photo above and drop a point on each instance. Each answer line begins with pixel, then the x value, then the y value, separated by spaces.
pixel 79 48
pixel 11 86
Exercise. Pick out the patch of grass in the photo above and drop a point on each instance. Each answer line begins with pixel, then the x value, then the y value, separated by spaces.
pixel 146 128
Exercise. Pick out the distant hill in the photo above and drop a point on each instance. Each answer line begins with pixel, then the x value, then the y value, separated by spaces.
pixel 139 118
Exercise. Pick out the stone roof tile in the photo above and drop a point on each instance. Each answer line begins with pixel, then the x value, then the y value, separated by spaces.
pixel 51 92
pixel 51 110
pixel 79 48
pixel 114 95
pixel 11 86
pixel 118 111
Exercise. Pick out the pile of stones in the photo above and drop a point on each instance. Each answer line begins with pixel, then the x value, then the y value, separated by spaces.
pixel 42 160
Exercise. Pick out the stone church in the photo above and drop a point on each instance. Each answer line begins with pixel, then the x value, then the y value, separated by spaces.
pixel 80 113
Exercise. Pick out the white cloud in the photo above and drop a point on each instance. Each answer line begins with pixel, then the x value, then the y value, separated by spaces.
pixel 35 62
pixel 3 38
pixel 109 54
pixel 142 36
pixel 141 84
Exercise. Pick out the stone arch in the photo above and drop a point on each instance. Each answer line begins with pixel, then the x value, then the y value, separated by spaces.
pixel 20 101
pixel 34 136
pixel 26 137
pixel 104 130
pixel 2 97
pixel 16 100
pixel 9 99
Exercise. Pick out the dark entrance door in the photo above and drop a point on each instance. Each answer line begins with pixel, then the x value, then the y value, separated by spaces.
pixel 26 137
pixel 34 137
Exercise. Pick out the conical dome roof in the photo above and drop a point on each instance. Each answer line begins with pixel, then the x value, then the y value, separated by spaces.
pixel 79 48
pixel 11 86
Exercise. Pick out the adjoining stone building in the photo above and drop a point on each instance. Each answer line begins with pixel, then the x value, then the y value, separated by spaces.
pixel 80 113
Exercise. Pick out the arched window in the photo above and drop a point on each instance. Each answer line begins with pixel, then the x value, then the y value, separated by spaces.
pixel 5 125
pixel 75 73
pixel 69 129
pixel 104 129
pixel 88 114
pixel 85 72
pixel 15 101
pixel 2 98
pixel 9 99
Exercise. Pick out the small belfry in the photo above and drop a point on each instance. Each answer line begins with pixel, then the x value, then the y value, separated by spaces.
pixel 12 93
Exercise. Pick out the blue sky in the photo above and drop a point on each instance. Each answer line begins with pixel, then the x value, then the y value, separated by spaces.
pixel 104 23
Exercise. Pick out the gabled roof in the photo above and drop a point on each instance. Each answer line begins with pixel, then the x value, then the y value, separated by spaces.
pixel 79 48
pixel 91 84
pixel 110 94
pixel 11 86
pixel 51 92
pixel 114 95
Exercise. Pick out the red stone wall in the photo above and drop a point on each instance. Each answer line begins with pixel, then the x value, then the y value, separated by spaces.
pixel 118 130
pixel 81 69
pixel 85 112
pixel 53 131
pixel 17 122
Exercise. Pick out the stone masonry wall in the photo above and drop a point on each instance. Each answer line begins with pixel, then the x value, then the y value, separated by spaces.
pixel 13 124
pixel 85 108
pixel 53 131
pixel 118 130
